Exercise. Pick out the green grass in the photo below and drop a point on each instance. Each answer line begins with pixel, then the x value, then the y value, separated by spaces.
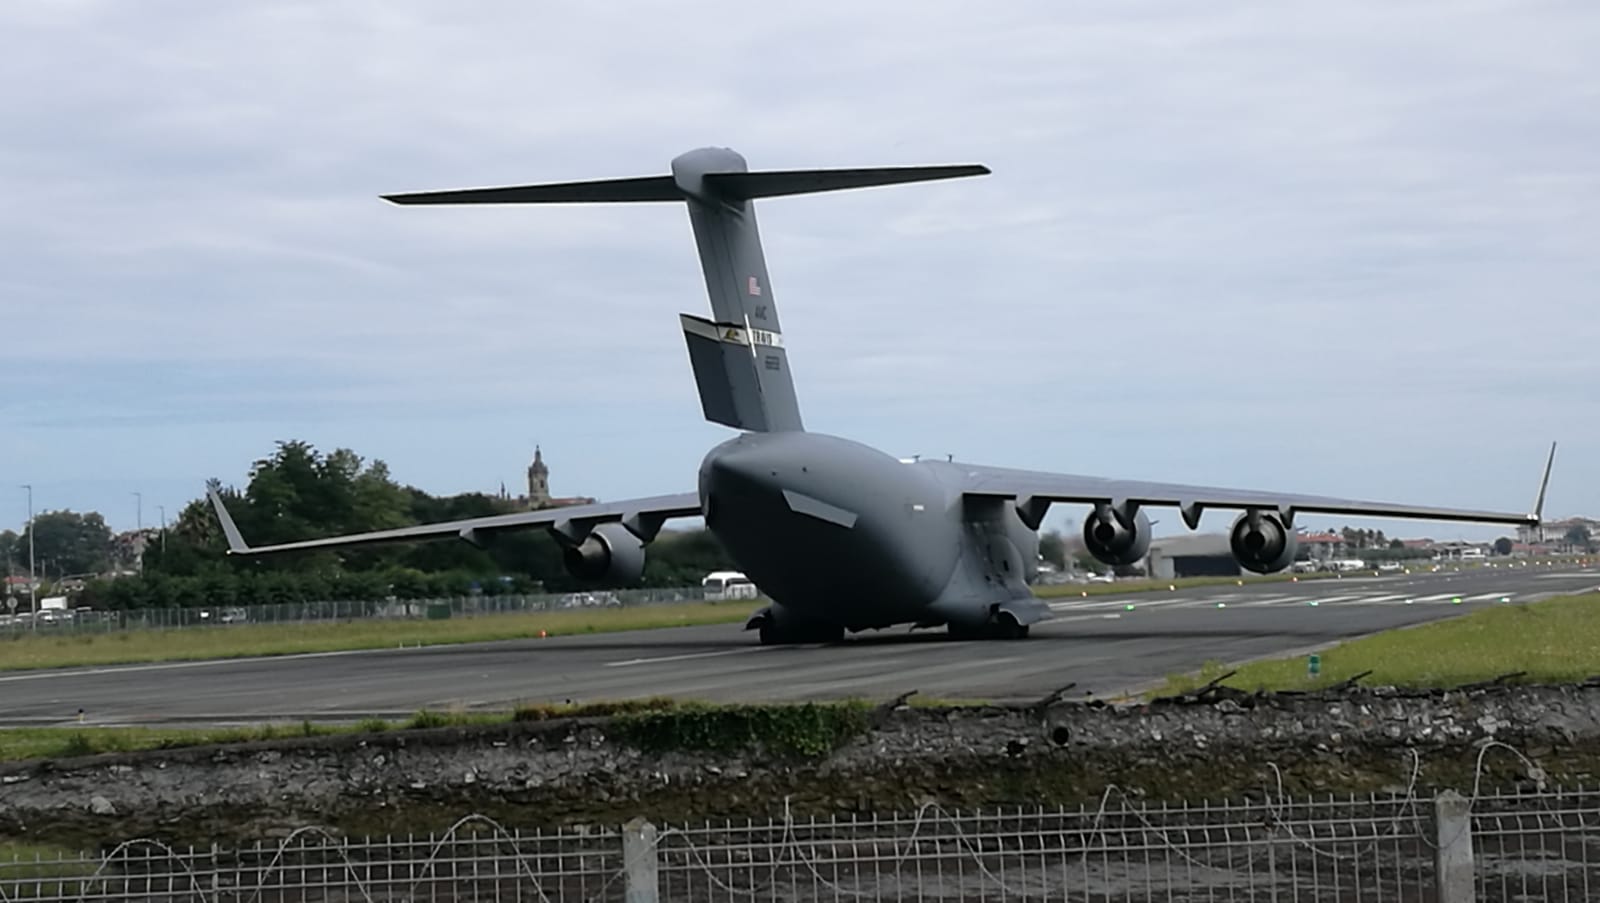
pixel 21 651
pixel 1556 640
pixel 64 742
pixel 661 720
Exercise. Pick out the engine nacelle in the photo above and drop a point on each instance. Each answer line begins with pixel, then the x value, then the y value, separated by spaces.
pixel 1265 547
pixel 608 554
pixel 1115 539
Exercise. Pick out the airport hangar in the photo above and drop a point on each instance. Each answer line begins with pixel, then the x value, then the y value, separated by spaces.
pixel 1196 555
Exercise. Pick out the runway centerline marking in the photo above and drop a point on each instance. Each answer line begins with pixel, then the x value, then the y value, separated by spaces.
pixel 687 656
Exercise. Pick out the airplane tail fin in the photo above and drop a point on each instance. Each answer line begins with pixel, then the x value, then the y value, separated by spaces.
pixel 1544 483
pixel 740 364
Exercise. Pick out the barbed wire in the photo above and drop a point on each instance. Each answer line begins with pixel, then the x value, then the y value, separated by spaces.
pixel 1275 805
pixel 335 845
pixel 789 849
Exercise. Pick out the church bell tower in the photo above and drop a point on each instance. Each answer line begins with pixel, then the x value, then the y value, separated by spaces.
pixel 538 481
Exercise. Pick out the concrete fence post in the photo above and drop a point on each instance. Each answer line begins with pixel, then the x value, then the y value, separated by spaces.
pixel 639 862
pixel 1453 867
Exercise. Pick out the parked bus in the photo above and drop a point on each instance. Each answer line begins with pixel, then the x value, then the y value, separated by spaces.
pixel 720 585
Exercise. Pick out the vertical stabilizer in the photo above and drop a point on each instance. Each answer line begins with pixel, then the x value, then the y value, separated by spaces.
pixel 740 364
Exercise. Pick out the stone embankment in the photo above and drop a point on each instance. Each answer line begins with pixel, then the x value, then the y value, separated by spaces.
pixel 590 770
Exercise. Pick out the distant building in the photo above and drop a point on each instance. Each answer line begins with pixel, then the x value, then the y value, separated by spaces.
pixel 539 488
pixel 1555 531
pixel 1197 555
pixel 127 550
pixel 1322 546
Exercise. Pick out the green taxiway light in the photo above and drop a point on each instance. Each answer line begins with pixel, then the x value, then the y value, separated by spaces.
pixel 1222 605
pixel 1312 602
pixel 1456 600
pixel 1128 607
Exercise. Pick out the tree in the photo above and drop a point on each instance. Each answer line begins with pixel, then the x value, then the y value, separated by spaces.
pixel 298 493
pixel 1503 546
pixel 1053 548
pixel 1396 544
pixel 9 546
pixel 1578 536
pixel 72 543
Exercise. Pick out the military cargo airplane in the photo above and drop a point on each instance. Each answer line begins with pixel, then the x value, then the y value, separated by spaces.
pixel 840 536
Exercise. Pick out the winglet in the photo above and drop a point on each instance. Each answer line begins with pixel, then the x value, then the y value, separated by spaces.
pixel 236 544
pixel 1538 504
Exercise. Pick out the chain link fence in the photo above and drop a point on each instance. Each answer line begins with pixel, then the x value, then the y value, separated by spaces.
pixel 1496 848
pixel 73 621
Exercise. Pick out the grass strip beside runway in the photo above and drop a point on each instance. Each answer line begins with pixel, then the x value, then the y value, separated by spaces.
pixel 658 724
pixel 20 651
pixel 1553 641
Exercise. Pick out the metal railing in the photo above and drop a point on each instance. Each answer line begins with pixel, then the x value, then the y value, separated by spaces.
pixel 221 615
pixel 1537 846
pixel 1503 847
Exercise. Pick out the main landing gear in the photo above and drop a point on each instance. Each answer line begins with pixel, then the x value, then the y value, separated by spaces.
pixel 784 628
pixel 1000 626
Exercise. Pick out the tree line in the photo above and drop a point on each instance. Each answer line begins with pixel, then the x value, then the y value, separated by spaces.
pixel 300 493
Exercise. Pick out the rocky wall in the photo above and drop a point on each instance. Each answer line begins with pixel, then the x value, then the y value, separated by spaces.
pixel 589 770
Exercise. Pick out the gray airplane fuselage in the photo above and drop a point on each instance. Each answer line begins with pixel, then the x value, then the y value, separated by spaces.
pixel 834 530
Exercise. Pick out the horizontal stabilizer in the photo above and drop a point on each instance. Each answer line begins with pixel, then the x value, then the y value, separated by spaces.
pixel 644 188
pixel 745 186
pixel 733 186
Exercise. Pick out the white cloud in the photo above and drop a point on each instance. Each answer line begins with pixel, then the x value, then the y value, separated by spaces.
pixel 1208 225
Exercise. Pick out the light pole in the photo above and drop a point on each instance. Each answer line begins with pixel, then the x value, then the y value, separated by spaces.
pixel 33 580
pixel 138 511
pixel 163 510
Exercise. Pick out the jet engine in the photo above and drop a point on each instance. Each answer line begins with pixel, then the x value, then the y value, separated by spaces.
pixel 1114 538
pixel 1261 543
pixel 609 554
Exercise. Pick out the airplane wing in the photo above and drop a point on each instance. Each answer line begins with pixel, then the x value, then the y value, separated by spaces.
pixel 643 517
pixel 1035 490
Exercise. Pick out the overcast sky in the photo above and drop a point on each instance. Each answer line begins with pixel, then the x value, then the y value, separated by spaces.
pixel 1339 248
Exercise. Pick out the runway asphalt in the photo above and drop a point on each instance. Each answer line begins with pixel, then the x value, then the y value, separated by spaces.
pixel 1106 644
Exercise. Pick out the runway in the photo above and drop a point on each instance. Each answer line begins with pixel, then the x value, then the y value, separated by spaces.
pixel 1106 644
